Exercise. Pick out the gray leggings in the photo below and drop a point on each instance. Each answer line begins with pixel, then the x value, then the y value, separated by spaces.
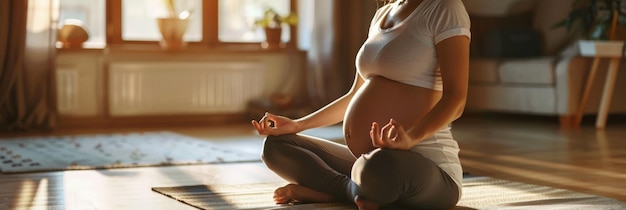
pixel 387 177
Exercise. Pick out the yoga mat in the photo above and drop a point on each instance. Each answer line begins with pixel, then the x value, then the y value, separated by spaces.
pixel 478 193
pixel 55 153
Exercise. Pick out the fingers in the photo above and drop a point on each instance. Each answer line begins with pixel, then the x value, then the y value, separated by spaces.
pixel 375 135
pixel 265 125
pixel 271 119
pixel 257 127
pixel 380 136
pixel 388 131
pixel 387 136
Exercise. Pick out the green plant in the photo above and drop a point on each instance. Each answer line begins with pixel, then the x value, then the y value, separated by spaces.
pixel 171 8
pixel 595 19
pixel 170 5
pixel 271 19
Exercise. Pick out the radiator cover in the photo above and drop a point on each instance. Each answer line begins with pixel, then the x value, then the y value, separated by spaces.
pixel 171 88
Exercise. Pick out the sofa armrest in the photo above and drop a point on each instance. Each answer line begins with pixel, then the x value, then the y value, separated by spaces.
pixel 570 79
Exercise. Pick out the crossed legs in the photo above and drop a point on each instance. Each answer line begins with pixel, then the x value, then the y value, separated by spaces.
pixel 317 164
pixel 324 171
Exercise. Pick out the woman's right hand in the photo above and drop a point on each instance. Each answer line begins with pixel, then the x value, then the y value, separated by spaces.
pixel 275 125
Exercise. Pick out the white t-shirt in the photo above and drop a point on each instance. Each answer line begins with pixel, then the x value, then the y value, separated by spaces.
pixel 406 52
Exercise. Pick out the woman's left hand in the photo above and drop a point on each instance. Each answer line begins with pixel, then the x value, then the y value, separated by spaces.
pixel 390 136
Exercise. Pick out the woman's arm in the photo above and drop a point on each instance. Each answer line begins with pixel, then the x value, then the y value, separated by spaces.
pixel 333 112
pixel 453 60
pixel 330 114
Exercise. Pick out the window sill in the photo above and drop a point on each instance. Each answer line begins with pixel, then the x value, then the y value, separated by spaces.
pixel 191 48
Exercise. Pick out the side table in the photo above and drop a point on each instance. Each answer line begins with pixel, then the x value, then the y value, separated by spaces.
pixel 599 50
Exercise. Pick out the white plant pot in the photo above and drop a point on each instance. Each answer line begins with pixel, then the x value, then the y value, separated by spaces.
pixel 596 48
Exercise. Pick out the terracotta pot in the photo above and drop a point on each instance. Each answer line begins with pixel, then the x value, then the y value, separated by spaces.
pixel 272 38
pixel 172 32
pixel 72 35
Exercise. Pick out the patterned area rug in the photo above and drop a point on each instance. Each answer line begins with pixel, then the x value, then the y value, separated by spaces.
pixel 478 193
pixel 36 154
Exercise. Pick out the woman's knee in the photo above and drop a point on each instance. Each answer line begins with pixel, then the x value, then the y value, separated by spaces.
pixel 379 175
pixel 274 147
pixel 381 164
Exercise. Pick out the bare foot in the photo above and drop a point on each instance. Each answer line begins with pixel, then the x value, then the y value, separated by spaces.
pixel 298 193
pixel 364 204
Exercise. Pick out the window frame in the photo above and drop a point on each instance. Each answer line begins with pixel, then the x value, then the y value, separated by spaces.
pixel 113 17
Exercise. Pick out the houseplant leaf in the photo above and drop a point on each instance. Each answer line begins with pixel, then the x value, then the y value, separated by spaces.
pixel 271 19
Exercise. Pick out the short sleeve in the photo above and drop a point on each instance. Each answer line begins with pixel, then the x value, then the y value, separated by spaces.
pixel 449 19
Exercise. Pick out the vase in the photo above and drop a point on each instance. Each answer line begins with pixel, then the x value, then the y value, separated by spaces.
pixel 72 34
pixel 272 38
pixel 172 32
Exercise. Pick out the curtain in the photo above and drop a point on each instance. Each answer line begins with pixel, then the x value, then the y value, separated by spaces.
pixel 26 65
pixel 339 29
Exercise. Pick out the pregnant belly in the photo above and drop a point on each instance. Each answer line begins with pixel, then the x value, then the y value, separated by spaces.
pixel 378 100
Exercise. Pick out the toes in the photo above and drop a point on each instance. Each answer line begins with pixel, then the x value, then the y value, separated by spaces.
pixel 363 204
pixel 282 195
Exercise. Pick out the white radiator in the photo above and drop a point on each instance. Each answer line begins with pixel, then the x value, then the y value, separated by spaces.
pixel 163 88
pixel 76 91
pixel 67 90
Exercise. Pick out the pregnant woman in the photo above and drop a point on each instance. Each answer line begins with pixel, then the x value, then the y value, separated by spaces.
pixel 411 83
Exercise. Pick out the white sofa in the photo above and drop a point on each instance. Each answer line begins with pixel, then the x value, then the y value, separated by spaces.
pixel 550 84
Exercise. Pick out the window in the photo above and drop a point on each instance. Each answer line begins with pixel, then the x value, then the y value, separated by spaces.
pixel 236 18
pixel 212 22
pixel 139 19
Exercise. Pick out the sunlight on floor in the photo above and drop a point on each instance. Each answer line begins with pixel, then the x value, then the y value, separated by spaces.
pixel 41 195
pixel 26 188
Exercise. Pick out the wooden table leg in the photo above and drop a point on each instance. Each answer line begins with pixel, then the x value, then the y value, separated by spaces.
pixel 585 97
pixel 609 83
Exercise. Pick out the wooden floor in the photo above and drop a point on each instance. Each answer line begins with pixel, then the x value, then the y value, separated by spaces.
pixel 520 148
pixel 535 150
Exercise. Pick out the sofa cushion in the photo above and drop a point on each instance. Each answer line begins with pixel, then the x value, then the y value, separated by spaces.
pixel 483 25
pixel 546 16
pixel 483 70
pixel 498 8
pixel 511 43
pixel 527 71
pixel 488 15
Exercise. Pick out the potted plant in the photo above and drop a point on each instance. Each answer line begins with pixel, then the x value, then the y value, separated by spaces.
pixel 173 27
pixel 595 23
pixel 272 23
